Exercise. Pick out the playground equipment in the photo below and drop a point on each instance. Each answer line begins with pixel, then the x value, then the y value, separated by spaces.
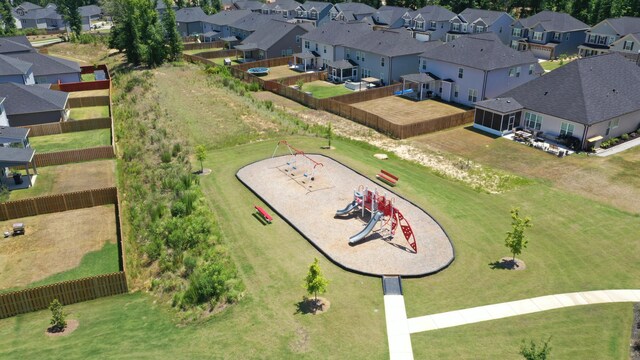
pixel 382 211
pixel 298 159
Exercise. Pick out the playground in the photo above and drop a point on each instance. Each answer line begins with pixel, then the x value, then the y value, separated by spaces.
pixel 358 224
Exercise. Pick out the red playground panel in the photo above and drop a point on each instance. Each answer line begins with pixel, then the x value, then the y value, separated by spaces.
pixel 265 215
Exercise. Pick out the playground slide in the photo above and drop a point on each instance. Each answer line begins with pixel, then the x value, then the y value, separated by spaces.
pixel 367 229
pixel 348 209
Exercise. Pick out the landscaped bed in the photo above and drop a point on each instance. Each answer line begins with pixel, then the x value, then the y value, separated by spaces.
pixel 58 247
pixel 322 89
pixel 89 112
pixel 71 141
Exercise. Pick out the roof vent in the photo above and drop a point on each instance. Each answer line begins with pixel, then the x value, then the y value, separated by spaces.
pixel 546 92
pixel 508 101
pixel 481 50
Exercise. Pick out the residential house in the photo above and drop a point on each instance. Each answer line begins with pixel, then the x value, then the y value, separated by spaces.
pixel 548 34
pixel 15 152
pixel 476 67
pixel 161 7
pixel 385 55
pixel 628 45
pixel 15 44
pixel 591 99
pixel 15 71
pixel 220 21
pixel 351 11
pixel 50 69
pixel 251 5
pixel 245 26
pixel 600 37
pixel 322 41
pixel 33 104
pixel 391 17
pixel 193 21
pixel 36 17
pixel 89 15
pixel 473 21
pixel 315 13
pixel 274 39
pixel 284 8
pixel 430 22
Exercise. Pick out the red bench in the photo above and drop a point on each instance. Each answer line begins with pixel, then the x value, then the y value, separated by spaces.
pixel 387 177
pixel 265 215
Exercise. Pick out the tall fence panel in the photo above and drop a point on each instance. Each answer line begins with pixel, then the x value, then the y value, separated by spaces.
pixel 285 60
pixel 67 292
pixel 84 101
pixel 219 54
pixel 370 94
pixel 209 45
pixel 437 124
pixel 73 156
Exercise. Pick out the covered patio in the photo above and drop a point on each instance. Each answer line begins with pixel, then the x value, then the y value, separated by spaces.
pixel 16 158
pixel 228 41
pixel 210 36
pixel 248 52
pixel 305 61
pixel 419 86
pixel 342 70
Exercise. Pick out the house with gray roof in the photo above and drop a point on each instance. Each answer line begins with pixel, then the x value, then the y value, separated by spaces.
pixel 274 39
pixel 475 67
pixel 49 69
pixel 286 9
pixel 391 17
pixel 193 21
pixel 220 22
pixel 89 14
pixel 473 21
pixel 39 17
pixel 245 26
pixel 315 13
pixel 15 71
pixel 429 23
pixel 15 44
pixel 251 5
pixel 548 34
pixel 322 41
pixel 385 55
pixel 33 104
pixel 602 36
pixel 591 99
pixel 351 11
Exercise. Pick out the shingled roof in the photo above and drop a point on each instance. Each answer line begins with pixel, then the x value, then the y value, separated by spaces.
pixel 191 14
pixel 625 25
pixel 227 17
pixel 337 33
pixel 554 21
pixel 387 15
pixel 47 65
pixel 355 8
pixel 12 66
pixel 488 16
pixel 253 21
pixel 587 90
pixel 14 44
pixel 270 33
pixel 434 13
pixel 27 99
pixel 390 43
pixel 482 51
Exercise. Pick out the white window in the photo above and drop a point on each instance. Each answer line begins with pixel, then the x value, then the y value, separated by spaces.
pixel 592 38
pixel 424 64
pixel 479 29
pixel 313 14
pixel 518 69
pixel 306 44
pixel 473 95
pixel 512 72
pixel 566 129
pixel 358 55
pixel 420 24
pixel 432 24
pixel 460 73
pixel 537 35
pixel 514 44
pixel 297 39
pixel 324 49
pixel 456 90
pixel 516 32
pixel 456 27
pixel 407 22
pixel 382 61
pixel 347 52
pixel 362 55
pixel 532 121
pixel 628 45
pixel 567 36
pixel 602 40
pixel 612 125
pixel 531 68
pixel 557 36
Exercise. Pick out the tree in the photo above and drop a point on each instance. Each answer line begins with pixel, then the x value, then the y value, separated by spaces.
pixel 58 317
pixel 171 34
pixel 516 240
pixel 201 155
pixel 329 134
pixel 315 283
pixel 68 9
pixel 7 18
pixel 532 352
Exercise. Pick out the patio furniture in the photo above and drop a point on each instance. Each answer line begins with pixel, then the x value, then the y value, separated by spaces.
pixel 17 178
pixel 18 229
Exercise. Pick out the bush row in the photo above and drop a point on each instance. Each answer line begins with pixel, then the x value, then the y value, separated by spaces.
pixel 624 137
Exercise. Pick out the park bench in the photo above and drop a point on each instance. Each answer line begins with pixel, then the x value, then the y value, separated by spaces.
pixel 387 177
pixel 265 215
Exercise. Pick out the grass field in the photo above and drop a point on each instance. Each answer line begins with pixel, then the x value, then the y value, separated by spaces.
pixel 89 112
pixel 553 64
pixel 279 72
pixel 71 141
pixel 68 178
pixel 198 51
pixel 89 77
pixel 400 110
pixel 323 89
pixel 59 246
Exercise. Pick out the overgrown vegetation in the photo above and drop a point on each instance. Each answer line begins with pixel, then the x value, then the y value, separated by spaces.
pixel 177 241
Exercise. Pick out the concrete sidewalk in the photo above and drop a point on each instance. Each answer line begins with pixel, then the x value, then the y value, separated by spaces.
pixel 397 329
pixel 514 308
pixel 619 148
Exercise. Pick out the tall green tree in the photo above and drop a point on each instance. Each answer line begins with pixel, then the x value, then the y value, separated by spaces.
pixel 171 35
pixel 201 155
pixel 68 9
pixel 516 239
pixel 58 317
pixel 315 283
pixel 7 18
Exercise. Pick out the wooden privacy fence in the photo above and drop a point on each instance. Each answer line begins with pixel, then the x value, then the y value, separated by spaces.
pixel 82 86
pixel 309 77
pixel 68 126
pixel 433 125
pixel 57 203
pixel 218 54
pixel 285 60
pixel 67 292
pixel 370 94
pixel 84 101
pixel 209 45
pixel 73 156
pixel 197 59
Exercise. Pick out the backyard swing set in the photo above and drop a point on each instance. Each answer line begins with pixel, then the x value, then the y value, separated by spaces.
pixel 297 159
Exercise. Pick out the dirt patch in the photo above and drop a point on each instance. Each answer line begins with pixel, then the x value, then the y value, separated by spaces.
pixel 300 342
pixel 72 325
pixel 509 263
pixel 53 243
pixel 403 111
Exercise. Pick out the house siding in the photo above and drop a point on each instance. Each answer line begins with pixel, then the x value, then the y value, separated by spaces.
pixel 35 118
pixel 499 81
pixel 502 28
pixel 618 46
pixel 63 78
pixel 319 48
pixel 472 79
pixel 627 123
pixel 287 42
pixel 18 79
pixel 551 125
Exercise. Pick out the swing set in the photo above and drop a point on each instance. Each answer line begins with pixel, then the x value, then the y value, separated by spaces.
pixel 298 159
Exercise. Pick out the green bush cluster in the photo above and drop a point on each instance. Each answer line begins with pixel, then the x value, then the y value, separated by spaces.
pixel 88 38
pixel 624 137
pixel 173 231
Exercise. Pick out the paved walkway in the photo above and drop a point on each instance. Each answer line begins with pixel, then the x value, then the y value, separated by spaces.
pixel 513 308
pixel 619 148
pixel 397 329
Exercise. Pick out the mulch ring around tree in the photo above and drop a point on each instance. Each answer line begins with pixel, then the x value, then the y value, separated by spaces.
pixel 204 172
pixel 309 306
pixel 72 325
pixel 508 263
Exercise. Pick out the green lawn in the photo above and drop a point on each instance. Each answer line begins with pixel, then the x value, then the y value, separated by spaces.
pixel 71 141
pixel 323 89
pixel 198 51
pixel 103 261
pixel 89 112
pixel 552 64
pixel 89 77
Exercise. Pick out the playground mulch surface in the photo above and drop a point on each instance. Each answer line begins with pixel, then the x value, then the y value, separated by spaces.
pixel 310 207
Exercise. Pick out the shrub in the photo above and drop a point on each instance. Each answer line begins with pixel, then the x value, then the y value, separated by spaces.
pixel 176 149
pixel 178 209
pixel 254 86
pixel 624 137
pixel 165 156
pixel 268 104
pixel 58 317
pixel 189 265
